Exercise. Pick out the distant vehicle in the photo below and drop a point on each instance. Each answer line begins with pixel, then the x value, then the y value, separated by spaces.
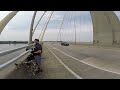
pixel 65 44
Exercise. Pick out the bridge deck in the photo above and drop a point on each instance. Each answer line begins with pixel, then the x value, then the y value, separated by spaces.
pixel 74 61
pixel 52 69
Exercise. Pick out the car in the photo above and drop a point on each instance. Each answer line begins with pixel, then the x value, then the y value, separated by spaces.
pixel 65 44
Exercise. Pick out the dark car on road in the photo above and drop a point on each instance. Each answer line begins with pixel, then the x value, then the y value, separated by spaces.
pixel 64 43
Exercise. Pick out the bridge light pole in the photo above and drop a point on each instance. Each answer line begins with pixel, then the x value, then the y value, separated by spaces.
pixel 75 28
pixel 6 20
pixel 31 28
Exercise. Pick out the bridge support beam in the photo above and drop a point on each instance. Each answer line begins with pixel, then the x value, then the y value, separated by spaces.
pixel 106 28
pixel 31 28
pixel 6 20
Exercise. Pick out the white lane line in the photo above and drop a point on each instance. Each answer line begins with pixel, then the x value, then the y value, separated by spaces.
pixel 72 72
pixel 85 62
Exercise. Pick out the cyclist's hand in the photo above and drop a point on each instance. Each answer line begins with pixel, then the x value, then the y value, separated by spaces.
pixel 32 51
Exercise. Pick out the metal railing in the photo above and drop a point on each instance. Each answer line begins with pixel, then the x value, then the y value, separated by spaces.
pixel 4 65
pixel 4 22
pixel 13 50
pixel 14 59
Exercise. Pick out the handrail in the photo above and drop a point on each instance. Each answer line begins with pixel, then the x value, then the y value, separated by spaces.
pixel 12 50
pixel 13 60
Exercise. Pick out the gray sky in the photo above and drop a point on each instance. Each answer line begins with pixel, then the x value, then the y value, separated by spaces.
pixel 18 28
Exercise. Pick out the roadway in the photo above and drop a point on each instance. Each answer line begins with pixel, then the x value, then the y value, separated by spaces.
pixel 81 62
pixel 76 62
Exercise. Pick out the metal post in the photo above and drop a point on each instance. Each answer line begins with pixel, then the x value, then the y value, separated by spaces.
pixel 75 28
pixel 5 20
pixel 31 28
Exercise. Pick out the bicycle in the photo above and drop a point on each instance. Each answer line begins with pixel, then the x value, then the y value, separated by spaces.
pixel 30 66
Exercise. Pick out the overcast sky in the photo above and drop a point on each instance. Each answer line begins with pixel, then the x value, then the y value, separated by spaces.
pixel 18 28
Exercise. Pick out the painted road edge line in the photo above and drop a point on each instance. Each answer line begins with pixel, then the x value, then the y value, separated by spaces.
pixel 85 62
pixel 72 72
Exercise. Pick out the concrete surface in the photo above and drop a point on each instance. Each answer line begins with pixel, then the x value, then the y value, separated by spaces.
pixel 106 28
pixel 106 60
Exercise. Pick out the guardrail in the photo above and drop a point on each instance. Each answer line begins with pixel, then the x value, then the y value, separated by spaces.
pixel 13 50
pixel 4 65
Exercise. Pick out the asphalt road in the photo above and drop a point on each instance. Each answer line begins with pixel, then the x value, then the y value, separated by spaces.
pixel 88 62
pixel 77 62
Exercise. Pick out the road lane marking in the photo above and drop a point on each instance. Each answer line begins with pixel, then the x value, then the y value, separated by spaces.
pixel 72 72
pixel 85 62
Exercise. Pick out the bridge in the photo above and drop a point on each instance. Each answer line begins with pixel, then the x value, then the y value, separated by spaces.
pixel 97 60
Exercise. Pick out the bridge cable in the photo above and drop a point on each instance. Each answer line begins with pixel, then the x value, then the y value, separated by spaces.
pixel 72 27
pixel 65 27
pixel 61 26
pixel 75 26
pixel 90 29
pixel 68 26
pixel 44 29
pixel 80 26
pixel 38 22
